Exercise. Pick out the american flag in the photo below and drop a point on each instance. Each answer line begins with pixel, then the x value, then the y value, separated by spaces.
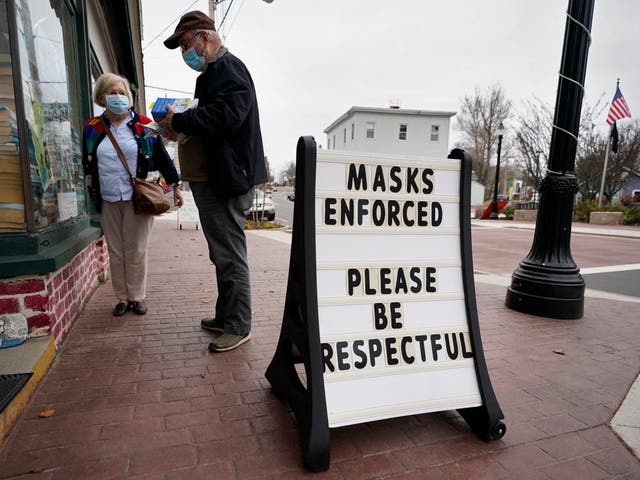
pixel 619 108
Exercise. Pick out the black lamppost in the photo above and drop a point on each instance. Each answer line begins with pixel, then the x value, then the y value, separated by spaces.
pixel 548 282
pixel 494 212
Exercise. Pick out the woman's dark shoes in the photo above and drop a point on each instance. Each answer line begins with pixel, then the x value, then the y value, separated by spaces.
pixel 138 306
pixel 120 309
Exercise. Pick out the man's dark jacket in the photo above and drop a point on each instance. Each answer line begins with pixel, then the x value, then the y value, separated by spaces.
pixel 226 119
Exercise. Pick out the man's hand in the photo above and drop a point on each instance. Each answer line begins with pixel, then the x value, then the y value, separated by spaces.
pixel 178 201
pixel 167 129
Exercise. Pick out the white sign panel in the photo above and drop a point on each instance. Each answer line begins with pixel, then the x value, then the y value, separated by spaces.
pixel 392 319
pixel 188 212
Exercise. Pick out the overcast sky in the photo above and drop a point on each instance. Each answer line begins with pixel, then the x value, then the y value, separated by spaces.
pixel 312 60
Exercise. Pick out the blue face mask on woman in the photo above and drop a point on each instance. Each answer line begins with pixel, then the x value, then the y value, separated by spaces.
pixel 193 60
pixel 117 104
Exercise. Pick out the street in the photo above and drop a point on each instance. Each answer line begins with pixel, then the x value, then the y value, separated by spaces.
pixel 607 263
pixel 284 206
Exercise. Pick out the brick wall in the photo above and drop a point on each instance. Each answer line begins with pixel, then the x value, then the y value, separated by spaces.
pixel 51 301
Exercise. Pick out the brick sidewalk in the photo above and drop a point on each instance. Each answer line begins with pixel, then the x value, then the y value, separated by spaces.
pixel 141 398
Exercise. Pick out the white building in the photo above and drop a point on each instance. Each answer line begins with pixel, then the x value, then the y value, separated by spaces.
pixel 391 130
pixel 399 132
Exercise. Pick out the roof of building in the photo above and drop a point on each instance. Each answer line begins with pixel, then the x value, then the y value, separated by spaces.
pixel 632 172
pixel 390 111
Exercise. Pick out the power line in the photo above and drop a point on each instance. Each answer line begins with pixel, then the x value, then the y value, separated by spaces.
pixel 225 14
pixel 170 24
pixel 234 19
pixel 168 89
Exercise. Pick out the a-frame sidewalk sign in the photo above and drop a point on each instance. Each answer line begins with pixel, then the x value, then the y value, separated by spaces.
pixel 380 311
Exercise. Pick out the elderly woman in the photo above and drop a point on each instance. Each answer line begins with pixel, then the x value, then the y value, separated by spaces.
pixel 126 232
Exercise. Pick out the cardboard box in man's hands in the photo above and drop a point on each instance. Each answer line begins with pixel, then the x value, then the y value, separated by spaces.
pixel 159 107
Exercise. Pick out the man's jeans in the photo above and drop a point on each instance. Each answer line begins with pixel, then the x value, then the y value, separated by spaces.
pixel 222 221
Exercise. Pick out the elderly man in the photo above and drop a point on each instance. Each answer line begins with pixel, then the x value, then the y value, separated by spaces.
pixel 225 145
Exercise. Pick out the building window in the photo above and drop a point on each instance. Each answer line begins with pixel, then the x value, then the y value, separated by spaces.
pixel 353 131
pixel 435 133
pixel 47 44
pixel 328 143
pixel 403 131
pixel 371 128
pixel 344 136
pixel 334 142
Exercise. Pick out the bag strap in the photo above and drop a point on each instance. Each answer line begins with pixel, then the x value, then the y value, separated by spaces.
pixel 117 147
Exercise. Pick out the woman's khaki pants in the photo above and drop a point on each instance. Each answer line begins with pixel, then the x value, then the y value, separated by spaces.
pixel 127 235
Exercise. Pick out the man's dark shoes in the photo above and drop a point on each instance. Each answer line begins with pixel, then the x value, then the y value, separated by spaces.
pixel 120 309
pixel 139 307
pixel 212 324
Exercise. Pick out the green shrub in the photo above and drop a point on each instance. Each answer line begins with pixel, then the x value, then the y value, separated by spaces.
pixel 612 208
pixel 582 209
pixel 508 211
pixel 261 225
pixel 631 216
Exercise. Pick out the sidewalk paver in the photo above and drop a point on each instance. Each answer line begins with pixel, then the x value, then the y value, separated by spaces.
pixel 140 397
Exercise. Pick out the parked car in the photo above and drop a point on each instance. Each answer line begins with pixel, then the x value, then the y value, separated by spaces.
pixel 262 205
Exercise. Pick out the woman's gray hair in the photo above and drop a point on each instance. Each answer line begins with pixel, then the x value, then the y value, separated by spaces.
pixel 105 81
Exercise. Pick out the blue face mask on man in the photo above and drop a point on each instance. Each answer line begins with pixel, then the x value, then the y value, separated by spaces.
pixel 117 104
pixel 193 60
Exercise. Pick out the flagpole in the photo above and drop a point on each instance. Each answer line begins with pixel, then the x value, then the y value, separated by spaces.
pixel 604 167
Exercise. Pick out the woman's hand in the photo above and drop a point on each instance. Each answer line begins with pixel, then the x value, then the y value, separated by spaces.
pixel 178 201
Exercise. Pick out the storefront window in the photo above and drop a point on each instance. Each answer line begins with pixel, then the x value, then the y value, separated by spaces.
pixel 95 73
pixel 47 45
pixel 11 190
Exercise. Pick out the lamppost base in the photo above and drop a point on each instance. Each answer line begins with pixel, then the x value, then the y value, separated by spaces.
pixel 547 294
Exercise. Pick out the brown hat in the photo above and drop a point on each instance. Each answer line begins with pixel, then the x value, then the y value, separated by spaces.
pixel 189 21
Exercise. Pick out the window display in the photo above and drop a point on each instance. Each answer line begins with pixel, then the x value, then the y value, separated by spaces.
pixel 47 50
pixel 11 190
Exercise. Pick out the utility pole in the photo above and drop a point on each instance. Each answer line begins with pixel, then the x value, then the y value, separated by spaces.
pixel 212 10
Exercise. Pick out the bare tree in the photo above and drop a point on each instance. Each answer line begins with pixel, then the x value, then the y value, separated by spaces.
pixel 591 161
pixel 478 120
pixel 268 167
pixel 533 139
pixel 288 174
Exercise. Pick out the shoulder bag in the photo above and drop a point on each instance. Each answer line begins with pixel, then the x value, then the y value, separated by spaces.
pixel 148 198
